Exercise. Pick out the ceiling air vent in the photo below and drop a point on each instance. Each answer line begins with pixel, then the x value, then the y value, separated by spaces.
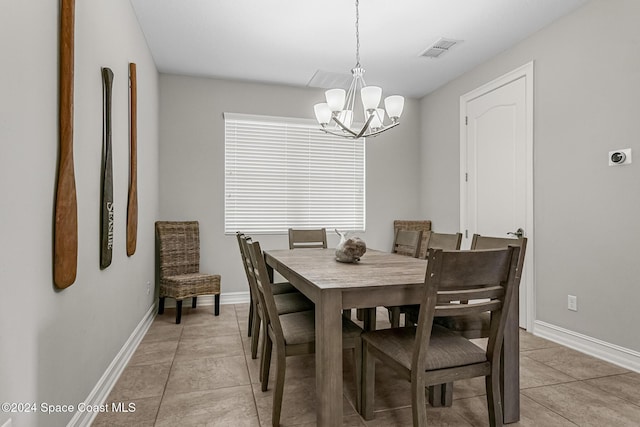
pixel 439 48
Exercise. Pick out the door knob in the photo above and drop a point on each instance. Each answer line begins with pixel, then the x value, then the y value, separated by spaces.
pixel 519 233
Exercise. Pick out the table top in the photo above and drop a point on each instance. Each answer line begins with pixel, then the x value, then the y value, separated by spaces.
pixel 375 268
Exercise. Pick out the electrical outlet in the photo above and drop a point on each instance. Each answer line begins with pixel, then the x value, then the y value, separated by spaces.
pixel 148 287
pixel 572 302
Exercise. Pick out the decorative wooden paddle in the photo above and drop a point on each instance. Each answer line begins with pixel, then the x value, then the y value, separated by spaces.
pixel 65 233
pixel 106 235
pixel 132 205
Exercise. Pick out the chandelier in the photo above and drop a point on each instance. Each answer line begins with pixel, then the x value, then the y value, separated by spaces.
pixel 340 105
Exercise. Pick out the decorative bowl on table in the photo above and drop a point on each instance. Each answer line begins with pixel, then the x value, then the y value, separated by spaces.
pixel 350 249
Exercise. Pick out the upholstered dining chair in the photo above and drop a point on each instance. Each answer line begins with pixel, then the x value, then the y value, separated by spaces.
pixel 293 334
pixel 429 354
pixel 299 238
pixel 178 259
pixel 287 298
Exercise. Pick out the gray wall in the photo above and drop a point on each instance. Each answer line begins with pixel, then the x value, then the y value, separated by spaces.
pixel 192 164
pixel 586 91
pixel 55 345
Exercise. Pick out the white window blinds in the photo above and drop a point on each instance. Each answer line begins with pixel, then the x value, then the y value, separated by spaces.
pixel 284 172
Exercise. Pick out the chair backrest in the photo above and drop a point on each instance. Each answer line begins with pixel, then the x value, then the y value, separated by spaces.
pixel 485 242
pixel 260 276
pixel 450 242
pixel 407 242
pixel 307 238
pixel 486 278
pixel 246 261
pixel 420 225
pixel 178 247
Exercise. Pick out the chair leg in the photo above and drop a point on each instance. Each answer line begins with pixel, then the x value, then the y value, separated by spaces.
pixel 494 403
pixel 346 313
pixel 265 363
pixel 394 317
pixel 255 334
pixel 250 321
pixel 178 311
pixel 281 367
pixel 193 302
pixel 217 303
pixel 435 395
pixel 418 403
pixel 161 305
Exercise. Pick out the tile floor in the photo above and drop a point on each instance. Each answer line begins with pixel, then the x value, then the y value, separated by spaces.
pixel 201 373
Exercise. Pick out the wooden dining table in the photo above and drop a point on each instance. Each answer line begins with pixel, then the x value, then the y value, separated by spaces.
pixel 378 279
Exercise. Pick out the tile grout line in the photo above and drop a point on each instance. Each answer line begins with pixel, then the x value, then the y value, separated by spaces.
pixel 246 364
pixel 164 389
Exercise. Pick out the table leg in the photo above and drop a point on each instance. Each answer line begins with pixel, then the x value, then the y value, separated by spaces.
pixel 368 368
pixel 329 358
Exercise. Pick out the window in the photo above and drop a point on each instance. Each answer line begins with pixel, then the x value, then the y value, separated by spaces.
pixel 284 172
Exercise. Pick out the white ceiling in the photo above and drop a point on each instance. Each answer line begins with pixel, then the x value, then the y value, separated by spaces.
pixel 288 41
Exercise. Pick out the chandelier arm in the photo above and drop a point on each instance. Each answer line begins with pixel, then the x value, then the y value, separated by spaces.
pixel 341 135
pixel 365 127
pixel 378 132
pixel 343 127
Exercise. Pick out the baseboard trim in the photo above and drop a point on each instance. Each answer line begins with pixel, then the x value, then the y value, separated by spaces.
pixel 102 389
pixel 225 298
pixel 624 357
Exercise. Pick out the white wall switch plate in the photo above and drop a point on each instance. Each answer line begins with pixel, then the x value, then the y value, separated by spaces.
pixel 572 303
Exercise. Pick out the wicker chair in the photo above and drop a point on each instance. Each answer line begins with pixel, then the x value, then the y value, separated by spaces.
pixel 178 258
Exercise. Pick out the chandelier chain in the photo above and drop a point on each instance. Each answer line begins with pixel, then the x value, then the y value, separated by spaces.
pixel 357 35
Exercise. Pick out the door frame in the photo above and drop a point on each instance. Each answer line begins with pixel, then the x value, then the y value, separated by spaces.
pixel 525 71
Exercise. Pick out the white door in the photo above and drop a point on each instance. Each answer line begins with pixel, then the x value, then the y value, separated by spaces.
pixel 496 167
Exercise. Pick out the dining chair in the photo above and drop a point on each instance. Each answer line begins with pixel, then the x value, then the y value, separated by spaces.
pixel 446 241
pixel 287 298
pixel 429 354
pixel 278 288
pixel 405 242
pixel 178 266
pixel 299 238
pixel 293 334
pixel 478 325
pixel 423 225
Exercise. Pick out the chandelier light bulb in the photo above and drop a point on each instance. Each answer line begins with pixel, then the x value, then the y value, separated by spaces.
pixel 371 96
pixel 335 99
pixel 323 113
pixel 394 105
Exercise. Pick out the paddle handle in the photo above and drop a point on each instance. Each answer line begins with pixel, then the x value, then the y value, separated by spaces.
pixel 65 253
